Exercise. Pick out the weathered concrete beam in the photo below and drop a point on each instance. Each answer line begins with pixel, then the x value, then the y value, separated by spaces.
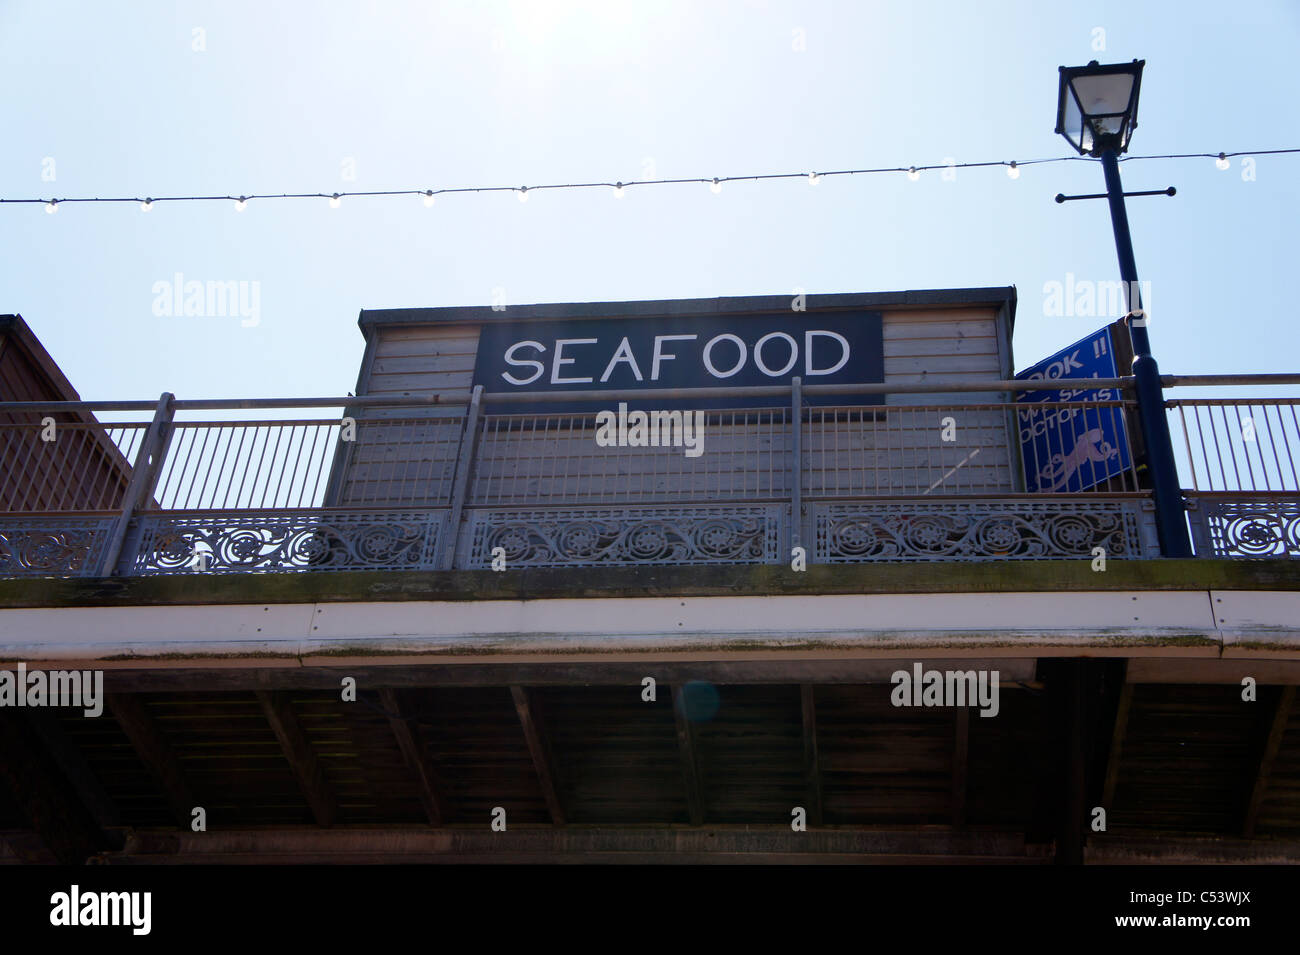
pixel 540 583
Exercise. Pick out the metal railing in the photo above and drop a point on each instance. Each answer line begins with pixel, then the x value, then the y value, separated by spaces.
pixel 441 481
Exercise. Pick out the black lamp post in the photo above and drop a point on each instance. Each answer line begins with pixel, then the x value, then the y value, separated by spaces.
pixel 1096 113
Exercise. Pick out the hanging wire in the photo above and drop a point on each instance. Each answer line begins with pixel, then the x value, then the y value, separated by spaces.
pixel 715 182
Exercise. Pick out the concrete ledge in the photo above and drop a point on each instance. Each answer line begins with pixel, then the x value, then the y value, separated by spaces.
pixel 561 582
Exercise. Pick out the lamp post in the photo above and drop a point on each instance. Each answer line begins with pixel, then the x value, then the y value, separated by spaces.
pixel 1097 113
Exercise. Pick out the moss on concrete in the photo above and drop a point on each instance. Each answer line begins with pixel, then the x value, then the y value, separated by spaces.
pixel 537 583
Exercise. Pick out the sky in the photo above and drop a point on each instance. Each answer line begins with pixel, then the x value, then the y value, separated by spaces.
pixel 231 98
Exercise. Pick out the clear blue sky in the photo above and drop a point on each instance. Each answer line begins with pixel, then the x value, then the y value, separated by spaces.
pixel 453 94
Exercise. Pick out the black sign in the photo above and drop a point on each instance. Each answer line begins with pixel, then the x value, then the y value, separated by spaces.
pixel 711 351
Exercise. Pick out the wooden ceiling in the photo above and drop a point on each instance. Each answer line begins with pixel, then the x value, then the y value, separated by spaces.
pixel 592 771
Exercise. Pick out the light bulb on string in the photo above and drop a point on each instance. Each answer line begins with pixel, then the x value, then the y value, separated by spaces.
pixel 428 198
pixel 146 206
pixel 619 191
pixel 1013 170
pixel 523 193
pixel 814 179
pixel 716 186
pixel 335 201
pixel 52 206
pixel 913 174
pixel 241 204
pixel 1222 162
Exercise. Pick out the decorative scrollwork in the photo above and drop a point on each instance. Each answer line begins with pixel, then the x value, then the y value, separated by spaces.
pixel 239 542
pixel 629 536
pixel 60 547
pixel 972 530
pixel 1249 528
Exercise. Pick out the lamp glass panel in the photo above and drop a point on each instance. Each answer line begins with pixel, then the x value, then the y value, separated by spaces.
pixel 1107 93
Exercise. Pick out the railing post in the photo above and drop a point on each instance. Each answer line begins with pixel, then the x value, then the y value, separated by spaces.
pixel 464 469
pixel 144 478
pixel 796 462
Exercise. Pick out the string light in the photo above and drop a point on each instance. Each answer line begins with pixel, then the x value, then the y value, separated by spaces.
pixel 146 205
pixel 714 183
pixel 52 206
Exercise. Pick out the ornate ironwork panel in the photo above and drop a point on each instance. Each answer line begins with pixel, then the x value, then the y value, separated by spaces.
pixel 1235 528
pixel 974 530
pixel 53 546
pixel 627 536
pixel 282 542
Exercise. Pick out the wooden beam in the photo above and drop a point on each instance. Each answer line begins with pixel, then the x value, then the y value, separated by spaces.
pixel 1285 702
pixel 535 736
pixel 416 672
pixel 634 845
pixel 410 740
pixel 1265 671
pixel 811 758
pixel 55 741
pixel 1118 732
pixel 155 753
pixel 960 760
pixel 302 758
pixel 690 766
pixel 62 825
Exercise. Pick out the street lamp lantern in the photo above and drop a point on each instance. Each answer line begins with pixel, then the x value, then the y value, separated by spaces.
pixel 1096 107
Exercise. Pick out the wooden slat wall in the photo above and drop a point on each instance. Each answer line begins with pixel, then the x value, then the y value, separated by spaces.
pixel 81 470
pixel 746 460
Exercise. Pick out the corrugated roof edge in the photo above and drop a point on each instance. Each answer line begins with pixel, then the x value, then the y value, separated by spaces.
pixel 998 297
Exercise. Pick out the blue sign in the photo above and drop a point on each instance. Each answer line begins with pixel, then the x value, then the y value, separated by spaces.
pixel 681 351
pixel 1066 449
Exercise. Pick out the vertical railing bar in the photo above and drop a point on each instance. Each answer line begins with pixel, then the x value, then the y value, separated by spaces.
pixel 307 482
pixel 1245 445
pixel 464 474
pixel 299 436
pixel 212 464
pixel 1232 451
pixel 1218 451
pixel 1286 443
pixel 199 468
pixel 1272 443
pixel 247 461
pixel 1205 447
pixel 796 462
pixel 1187 440
pixel 278 464
pixel 182 436
pixel 234 466
pixel 59 466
